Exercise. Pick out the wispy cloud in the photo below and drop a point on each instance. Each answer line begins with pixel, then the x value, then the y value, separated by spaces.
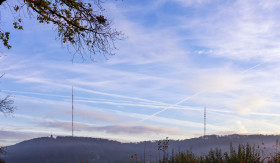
pixel 239 30
pixel 114 129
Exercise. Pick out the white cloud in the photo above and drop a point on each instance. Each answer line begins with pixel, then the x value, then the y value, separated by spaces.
pixel 191 3
pixel 215 80
pixel 239 30
pixel 249 104
pixel 186 3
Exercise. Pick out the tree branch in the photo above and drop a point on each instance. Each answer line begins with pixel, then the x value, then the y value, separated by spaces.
pixel 1 1
pixel 78 24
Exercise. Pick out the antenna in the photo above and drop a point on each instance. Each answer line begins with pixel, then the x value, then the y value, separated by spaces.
pixel 72 111
pixel 204 121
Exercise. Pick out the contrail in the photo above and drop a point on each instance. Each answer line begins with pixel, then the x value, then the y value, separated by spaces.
pixel 34 93
pixel 132 98
pixel 105 101
pixel 251 68
pixel 187 98
pixel 116 95
pixel 89 91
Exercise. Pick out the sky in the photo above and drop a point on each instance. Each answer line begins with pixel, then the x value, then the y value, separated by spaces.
pixel 177 57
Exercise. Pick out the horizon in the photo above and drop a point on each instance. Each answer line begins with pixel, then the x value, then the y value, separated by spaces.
pixel 136 142
pixel 177 58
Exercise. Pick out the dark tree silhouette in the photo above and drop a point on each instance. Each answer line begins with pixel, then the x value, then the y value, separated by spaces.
pixel 79 24
pixel 6 104
pixel 1 152
pixel 6 107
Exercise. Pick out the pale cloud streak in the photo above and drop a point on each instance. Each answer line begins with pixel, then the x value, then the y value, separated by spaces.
pixel 240 30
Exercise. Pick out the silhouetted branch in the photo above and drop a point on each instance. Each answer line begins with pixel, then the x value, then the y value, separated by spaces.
pixel 79 24
pixel 6 104
pixel 1 1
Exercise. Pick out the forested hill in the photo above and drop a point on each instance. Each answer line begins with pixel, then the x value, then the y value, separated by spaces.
pixel 77 149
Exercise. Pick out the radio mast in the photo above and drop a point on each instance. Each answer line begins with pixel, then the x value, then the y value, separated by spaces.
pixel 204 121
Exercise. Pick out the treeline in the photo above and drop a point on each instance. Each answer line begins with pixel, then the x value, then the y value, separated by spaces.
pixel 241 154
pixel 93 150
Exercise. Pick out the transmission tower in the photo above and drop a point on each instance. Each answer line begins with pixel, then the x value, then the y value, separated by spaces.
pixel 204 121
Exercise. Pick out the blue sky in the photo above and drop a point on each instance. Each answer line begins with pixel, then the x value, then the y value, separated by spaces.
pixel 178 56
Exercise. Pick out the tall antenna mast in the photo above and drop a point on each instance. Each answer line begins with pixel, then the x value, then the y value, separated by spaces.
pixel 204 121
pixel 72 111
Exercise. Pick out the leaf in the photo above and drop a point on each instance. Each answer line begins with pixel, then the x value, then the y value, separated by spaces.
pixel 16 8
